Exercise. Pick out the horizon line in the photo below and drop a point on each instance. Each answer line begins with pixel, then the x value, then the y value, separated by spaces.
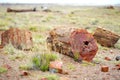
pixel 77 4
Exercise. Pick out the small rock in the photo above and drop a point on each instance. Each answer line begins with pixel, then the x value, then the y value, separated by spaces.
pixel 111 51
pixel 117 58
pixel 55 66
pixel 104 68
pixel 24 73
pixel 118 66
pixel 107 58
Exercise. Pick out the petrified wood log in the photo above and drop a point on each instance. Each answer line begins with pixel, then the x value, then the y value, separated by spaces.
pixel 76 43
pixel 106 38
pixel 110 7
pixel 22 10
pixel 21 39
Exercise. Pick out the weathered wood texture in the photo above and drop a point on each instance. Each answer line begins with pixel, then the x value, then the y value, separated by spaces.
pixel 22 10
pixel 21 39
pixel 106 38
pixel 76 43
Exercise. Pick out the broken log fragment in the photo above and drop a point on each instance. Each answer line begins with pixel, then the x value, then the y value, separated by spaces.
pixel 110 7
pixel 76 43
pixel 20 39
pixel 104 68
pixel 21 10
pixel 105 38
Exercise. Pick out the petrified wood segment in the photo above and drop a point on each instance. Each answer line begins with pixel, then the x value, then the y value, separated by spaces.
pixel 21 39
pixel 77 43
pixel 20 10
pixel 105 38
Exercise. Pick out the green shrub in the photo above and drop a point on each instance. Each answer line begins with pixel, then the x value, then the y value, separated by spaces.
pixel 2 70
pixel 42 61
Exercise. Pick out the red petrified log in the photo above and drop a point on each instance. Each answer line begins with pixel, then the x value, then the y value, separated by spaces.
pixel 21 39
pixel 77 43
pixel 83 43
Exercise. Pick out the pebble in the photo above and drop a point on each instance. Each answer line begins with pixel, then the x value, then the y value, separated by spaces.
pixel 117 58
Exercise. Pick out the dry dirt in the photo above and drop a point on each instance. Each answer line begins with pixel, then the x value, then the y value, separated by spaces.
pixel 77 71
pixel 41 22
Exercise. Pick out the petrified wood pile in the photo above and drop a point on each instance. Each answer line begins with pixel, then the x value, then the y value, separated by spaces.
pixel 21 39
pixel 76 43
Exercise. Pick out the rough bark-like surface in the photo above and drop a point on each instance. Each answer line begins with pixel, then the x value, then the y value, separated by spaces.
pixel 21 39
pixel 22 10
pixel 105 38
pixel 76 43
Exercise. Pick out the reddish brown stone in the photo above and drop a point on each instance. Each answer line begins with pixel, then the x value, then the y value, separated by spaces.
pixel 107 58
pixel 1 46
pixel 104 68
pixel 21 39
pixel 106 38
pixel 118 66
pixel 57 65
pixel 84 44
pixel 76 43
pixel 25 73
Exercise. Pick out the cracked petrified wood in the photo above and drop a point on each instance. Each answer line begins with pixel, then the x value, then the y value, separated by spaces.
pixel 105 38
pixel 21 39
pixel 76 43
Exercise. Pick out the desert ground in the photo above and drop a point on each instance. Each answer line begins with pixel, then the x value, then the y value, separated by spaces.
pixel 40 23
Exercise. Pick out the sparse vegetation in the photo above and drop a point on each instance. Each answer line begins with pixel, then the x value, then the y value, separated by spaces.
pixel 33 28
pixel 9 49
pixel 71 66
pixel 39 23
pixel 25 67
pixel 85 63
pixel 50 77
pixel 42 61
pixel 19 55
pixel 2 70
